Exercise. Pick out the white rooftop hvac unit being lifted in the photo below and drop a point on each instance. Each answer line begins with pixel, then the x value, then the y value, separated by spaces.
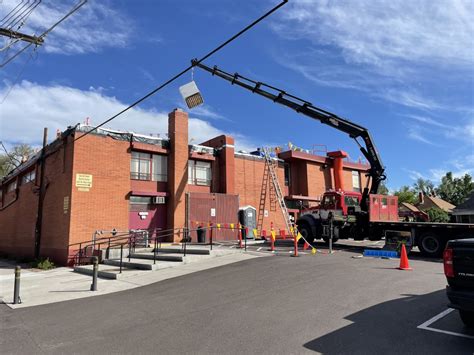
pixel 191 94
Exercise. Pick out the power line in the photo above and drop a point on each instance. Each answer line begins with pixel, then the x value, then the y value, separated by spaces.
pixel 11 157
pixel 40 38
pixel 197 61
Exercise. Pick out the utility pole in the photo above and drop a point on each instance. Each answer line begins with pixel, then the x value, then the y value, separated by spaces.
pixel 21 36
pixel 39 216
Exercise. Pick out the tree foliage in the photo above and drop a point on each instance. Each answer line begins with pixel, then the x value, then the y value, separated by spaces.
pixel 15 157
pixel 437 215
pixel 406 194
pixel 455 190
pixel 424 186
pixel 382 190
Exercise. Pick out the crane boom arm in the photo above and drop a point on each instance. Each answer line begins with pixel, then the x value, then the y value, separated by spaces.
pixel 355 131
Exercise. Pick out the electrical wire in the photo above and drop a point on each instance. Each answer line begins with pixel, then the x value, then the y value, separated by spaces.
pixel 11 11
pixel 197 61
pixel 19 16
pixel 45 33
pixel 23 19
pixel 14 10
pixel 11 157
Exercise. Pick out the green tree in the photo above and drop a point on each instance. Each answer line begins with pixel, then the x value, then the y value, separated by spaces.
pixel 406 194
pixel 15 157
pixel 425 186
pixel 455 190
pixel 437 215
pixel 382 190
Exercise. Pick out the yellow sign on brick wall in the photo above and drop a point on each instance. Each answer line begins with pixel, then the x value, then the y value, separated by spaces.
pixel 83 182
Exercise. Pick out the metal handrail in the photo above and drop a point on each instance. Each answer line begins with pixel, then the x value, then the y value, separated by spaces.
pixel 158 235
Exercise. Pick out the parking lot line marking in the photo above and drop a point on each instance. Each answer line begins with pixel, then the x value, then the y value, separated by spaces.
pixel 425 325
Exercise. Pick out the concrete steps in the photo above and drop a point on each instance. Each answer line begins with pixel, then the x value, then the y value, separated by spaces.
pixel 108 271
pixel 189 250
pixel 142 261
pixel 140 264
pixel 159 256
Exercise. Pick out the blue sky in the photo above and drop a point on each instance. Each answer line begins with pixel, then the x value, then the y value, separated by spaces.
pixel 403 69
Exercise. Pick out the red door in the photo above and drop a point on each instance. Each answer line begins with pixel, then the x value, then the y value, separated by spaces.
pixel 147 216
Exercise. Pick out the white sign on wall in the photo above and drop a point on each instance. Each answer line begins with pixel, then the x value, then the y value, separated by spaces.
pixel 265 213
pixel 213 212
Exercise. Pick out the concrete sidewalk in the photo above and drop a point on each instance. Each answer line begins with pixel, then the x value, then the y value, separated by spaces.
pixel 63 284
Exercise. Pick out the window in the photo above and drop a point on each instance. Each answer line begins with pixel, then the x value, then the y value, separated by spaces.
pixel 287 175
pixel 329 202
pixel 199 172
pixel 160 168
pixel 140 200
pixel 11 186
pixel 351 201
pixel 28 177
pixel 145 166
pixel 355 181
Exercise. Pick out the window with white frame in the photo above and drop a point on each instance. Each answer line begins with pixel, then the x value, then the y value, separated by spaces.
pixel 30 176
pixel 146 166
pixel 199 172
pixel 355 181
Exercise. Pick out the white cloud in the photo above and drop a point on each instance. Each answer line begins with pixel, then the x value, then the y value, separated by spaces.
pixel 93 27
pixel 394 50
pixel 206 111
pixel 31 106
pixel 387 30
pixel 458 166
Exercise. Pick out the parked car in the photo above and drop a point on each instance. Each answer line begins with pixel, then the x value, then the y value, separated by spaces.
pixel 459 270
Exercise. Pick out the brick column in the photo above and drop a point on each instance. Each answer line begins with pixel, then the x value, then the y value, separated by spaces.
pixel 177 169
pixel 225 163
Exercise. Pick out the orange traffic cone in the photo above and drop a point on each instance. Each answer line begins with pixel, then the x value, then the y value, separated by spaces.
pixel 404 265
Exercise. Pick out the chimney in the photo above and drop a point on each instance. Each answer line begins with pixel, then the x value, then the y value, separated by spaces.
pixel 421 198
pixel 338 165
pixel 177 168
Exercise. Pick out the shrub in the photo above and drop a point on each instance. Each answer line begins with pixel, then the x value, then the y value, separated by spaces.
pixel 437 215
pixel 43 264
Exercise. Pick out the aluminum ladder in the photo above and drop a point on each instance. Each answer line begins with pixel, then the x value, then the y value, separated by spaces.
pixel 290 226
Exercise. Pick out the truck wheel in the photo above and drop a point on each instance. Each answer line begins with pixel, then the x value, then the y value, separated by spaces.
pixel 431 245
pixel 306 232
pixel 467 318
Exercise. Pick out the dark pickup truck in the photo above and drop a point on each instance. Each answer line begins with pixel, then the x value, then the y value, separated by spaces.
pixel 459 270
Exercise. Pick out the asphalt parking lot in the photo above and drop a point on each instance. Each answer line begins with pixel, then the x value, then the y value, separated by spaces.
pixel 323 303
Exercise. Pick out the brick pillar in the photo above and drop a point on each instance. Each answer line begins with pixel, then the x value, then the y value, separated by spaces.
pixel 225 163
pixel 177 169
pixel 227 167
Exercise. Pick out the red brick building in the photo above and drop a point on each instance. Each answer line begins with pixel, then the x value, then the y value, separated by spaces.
pixel 120 180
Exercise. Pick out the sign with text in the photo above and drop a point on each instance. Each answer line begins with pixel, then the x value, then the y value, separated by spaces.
pixel 83 182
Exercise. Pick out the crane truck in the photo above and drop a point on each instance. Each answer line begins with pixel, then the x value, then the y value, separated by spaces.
pixel 348 214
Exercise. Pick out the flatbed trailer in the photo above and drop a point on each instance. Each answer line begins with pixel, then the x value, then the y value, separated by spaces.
pixel 430 237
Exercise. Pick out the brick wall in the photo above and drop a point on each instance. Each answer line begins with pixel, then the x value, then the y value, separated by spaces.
pixel 105 205
pixel 18 220
pixel 248 185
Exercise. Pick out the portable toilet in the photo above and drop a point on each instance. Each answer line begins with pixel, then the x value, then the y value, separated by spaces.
pixel 248 218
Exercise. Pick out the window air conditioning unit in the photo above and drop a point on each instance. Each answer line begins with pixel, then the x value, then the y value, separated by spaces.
pixel 159 200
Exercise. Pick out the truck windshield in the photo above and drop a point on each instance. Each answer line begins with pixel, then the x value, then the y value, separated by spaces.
pixel 351 201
